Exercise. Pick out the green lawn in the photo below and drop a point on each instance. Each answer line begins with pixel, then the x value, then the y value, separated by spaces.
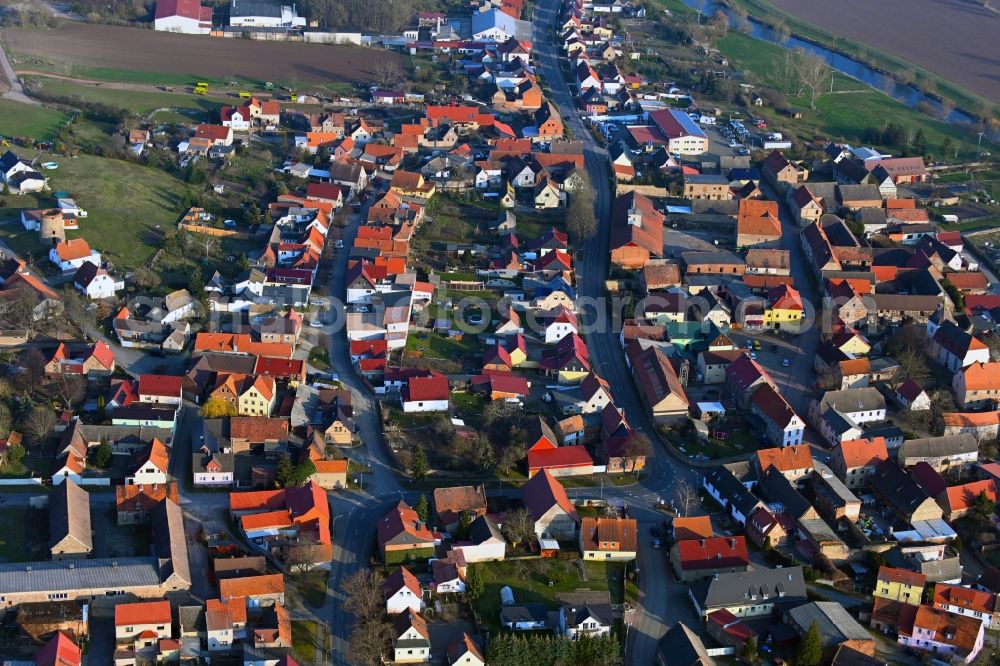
pixel 434 345
pixel 306 637
pixel 16 527
pixel 126 202
pixel 838 116
pixel 25 120
pixel 312 585
pixel 138 102
pixel 529 580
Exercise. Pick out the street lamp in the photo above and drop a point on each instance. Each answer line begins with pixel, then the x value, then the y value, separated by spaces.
pixel 333 525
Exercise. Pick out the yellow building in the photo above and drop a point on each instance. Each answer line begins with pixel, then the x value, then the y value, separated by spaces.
pixel 900 585
pixel 785 309
pixel 257 398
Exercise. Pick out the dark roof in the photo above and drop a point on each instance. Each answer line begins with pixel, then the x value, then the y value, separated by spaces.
pixel 241 8
pixel 897 488
pixel 85 274
pixel 746 588
pixel 732 490
pixel 170 541
pixel 848 656
pixel 682 647
pixel 483 528
pixel 777 488
pixel 600 612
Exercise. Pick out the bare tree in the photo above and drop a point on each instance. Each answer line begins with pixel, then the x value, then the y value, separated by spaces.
pixel 637 448
pixel 39 422
pixel 72 389
pixel 519 526
pixel 363 593
pixel 685 498
pixel 580 217
pixel 303 557
pixel 386 72
pixel 33 364
pixel 813 74
pixel 369 641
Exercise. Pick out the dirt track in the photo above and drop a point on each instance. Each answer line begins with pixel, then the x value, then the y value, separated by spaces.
pixel 956 39
pixel 149 51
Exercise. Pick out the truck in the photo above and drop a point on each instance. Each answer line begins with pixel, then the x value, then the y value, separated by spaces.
pixel 200 88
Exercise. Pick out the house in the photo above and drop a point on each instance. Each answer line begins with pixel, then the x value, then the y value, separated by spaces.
pixel 951 453
pixel 401 590
pixel 401 535
pixel 60 650
pixel 485 542
pixel 410 639
pixel 764 526
pixel 693 527
pixel 977 386
pixel 838 415
pixel 899 585
pixel 682 647
pixel 902 495
pixel 225 622
pixel 694 559
pixel 707 187
pixel 780 172
pixel 554 515
pixel 69 522
pixel 151 465
pixel 682 134
pixel 968 602
pixel 160 389
pixel 659 384
pixel 943 634
pixel 758 224
pixel 426 394
pixel 784 309
pixel 69 255
pixel 330 474
pixel 94 282
pixel 765 261
pixel 609 539
pixel 854 460
pixel 836 626
pixel 448 577
pixel 465 652
pixel 749 594
pixel 781 424
pixel 184 16
pixel 215 135
pixel 956 348
pixel 793 462
pixel 959 500
pixel 269 14
pixel 451 503
pixel 143 623
pixel 981 425
pixel 271 519
pixel 912 395
pixel 135 503
pixel 729 491
pixel 591 620
pixel 636 231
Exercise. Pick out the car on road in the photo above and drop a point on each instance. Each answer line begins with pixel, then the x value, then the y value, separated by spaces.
pixel 657 544
pixel 753 355
pixel 749 344
pixel 338 243
pixel 756 345
pixel 785 363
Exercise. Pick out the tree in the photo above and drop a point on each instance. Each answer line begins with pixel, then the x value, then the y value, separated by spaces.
pixel 485 454
pixel 369 641
pixel 33 363
pixel 284 472
pixel 812 73
pixel 811 648
pixel 363 593
pixel 6 420
pixel 217 408
pixel 985 506
pixel 474 582
pixel 304 556
pixel 512 454
pixel 14 454
pixel 519 526
pixel 947 148
pixel 302 472
pixel 749 651
pixel 685 498
pixel 580 218
pixel 419 466
pixel 102 455
pixel 464 524
pixel 422 507
pixel 637 448
pixel 39 422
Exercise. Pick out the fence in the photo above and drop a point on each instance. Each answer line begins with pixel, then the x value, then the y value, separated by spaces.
pixel 34 481
pixel 221 233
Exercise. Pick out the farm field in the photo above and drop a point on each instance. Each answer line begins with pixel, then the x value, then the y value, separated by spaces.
pixel 963 34
pixel 842 115
pixel 139 102
pixel 96 51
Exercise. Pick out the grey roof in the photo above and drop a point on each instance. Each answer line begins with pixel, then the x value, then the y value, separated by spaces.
pixel 732 490
pixel 852 400
pixel 848 656
pixel 710 257
pixel 950 568
pixel 737 589
pixel 682 647
pixel 482 529
pixel 191 619
pixel 240 8
pixel 937 447
pixel 87 575
pixel 859 193
pixel 170 542
pixel 832 620
pixel 832 486
pixel 123 435
pixel 69 515
pixel 600 612
pixel 524 613
pixel 706 179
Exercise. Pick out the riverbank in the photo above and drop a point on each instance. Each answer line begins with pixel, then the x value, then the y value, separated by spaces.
pixel 902 71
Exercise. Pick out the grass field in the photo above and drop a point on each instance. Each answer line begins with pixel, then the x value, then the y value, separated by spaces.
pixel 125 202
pixel 435 345
pixel 842 116
pixel 37 122
pixel 139 102
pixel 306 637
pixel 529 580
pixel 312 585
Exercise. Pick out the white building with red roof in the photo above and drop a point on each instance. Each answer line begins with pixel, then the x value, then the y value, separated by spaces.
pixel 426 394
pixel 186 16
pixel 71 254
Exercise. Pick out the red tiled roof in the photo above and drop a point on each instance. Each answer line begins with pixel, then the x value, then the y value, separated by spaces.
pixel 785 459
pixel 964 497
pixel 964 597
pixel 75 248
pixel 399 579
pixel 145 612
pixel 716 552
pixel 59 651
pixel 427 389
pixel 863 452
pixel 561 457
pixel 695 527
pixel 160 385
pixel 252 586
pixel 542 492
pixel 904 576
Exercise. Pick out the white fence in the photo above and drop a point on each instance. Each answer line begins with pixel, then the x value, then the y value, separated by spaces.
pixel 21 482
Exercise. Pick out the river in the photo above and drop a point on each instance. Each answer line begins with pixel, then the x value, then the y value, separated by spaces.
pixel 907 94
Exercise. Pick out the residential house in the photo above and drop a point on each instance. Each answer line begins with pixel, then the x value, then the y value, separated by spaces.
pixel 956 348
pixel 94 282
pixel 836 626
pixel 259 591
pixel 402 593
pixel 793 462
pixel 749 594
pixel 855 460
pixel 465 652
pixel 402 534
pixel 451 503
pixel 659 384
pixel 694 559
pixel 225 623
pixel 546 500
pixel 977 386
pixel 142 624
pixel 758 224
pixel 636 231
pixel 609 539
pixel 681 645
pixel 782 425
pixel 966 601
pixel 411 640
pixel 593 620
pixel 780 172
pixel 70 255
pixel 707 187
pixel 956 501
pixel 838 415
pixel 944 634
pixel 69 522
pixel 912 395
pixel 485 542
pixel 902 495
pixel 426 394
pixel 951 454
